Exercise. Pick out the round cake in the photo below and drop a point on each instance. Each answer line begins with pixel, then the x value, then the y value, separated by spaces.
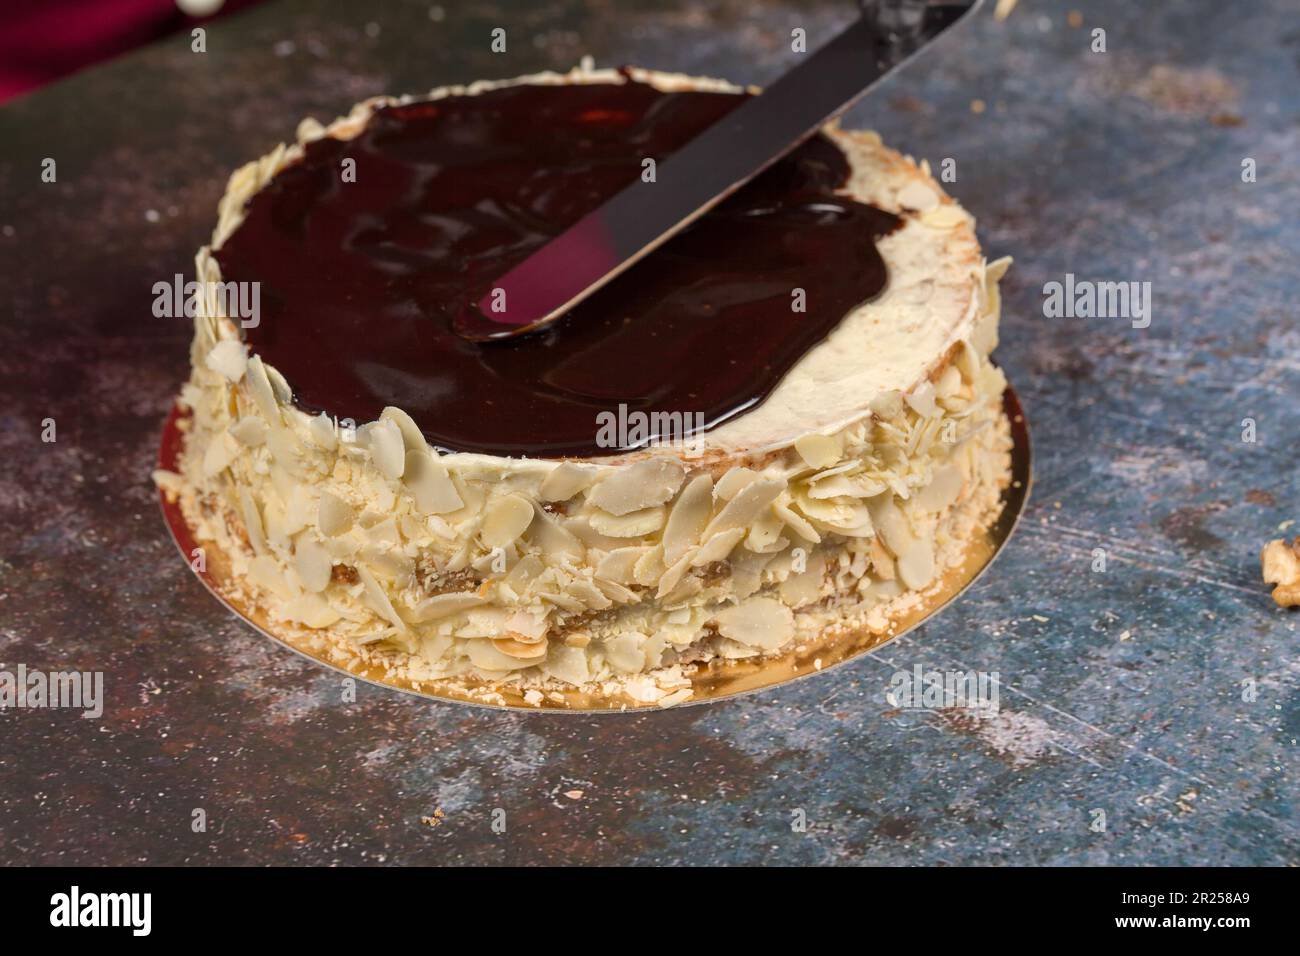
pixel 780 427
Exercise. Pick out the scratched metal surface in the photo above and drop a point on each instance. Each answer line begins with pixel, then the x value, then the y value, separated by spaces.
pixel 1122 691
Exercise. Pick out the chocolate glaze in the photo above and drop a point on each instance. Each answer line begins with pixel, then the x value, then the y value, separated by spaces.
pixel 360 280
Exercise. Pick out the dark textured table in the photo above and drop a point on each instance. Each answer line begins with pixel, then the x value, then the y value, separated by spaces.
pixel 1122 691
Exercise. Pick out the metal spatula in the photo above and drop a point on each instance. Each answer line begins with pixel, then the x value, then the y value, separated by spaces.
pixel 712 166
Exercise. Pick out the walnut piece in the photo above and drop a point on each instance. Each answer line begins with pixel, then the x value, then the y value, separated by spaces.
pixel 1281 566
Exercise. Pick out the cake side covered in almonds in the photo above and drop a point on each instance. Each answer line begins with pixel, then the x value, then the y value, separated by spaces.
pixel 834 505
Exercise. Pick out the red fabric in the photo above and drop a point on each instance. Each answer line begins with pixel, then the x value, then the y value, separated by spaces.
pixel 42 40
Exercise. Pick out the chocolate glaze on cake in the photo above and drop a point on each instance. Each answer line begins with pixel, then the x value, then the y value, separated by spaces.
pixel 360 280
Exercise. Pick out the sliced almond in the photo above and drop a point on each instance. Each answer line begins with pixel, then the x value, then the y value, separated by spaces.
pixel 322 432
pixel 847 516
pixel 526 626
pixel 949 383
pixel 313 564
pixel 569 663
pixel 519 650
pixel 681 595
pixel 566 480
pixel 729 485
pixel 921 400
pixel 285 449
pixel 228 358
pixel 392 566
pixel 221 451
pixel 473 494
pixel 591 597
pixel 252 521
pixel 555 540
pixel 563 600
pixel 650 567
pixel 299 509
pixel 265 572
pixel 445 605
pixel 942 490
pixel 673 575
pixel 761 622
pixel 387 450
pixel 765 533
pixel 718 547
pixel 845 485
pixel 430 484
pixel 891 524
pixel 747 573
pixel 412 437
pixel 249 431
pixel 805 587
pixel 524 572
pixel 378 598
pixel 616 592
pixel 259 389
pixel 624 653
pixel 688 518
pixel 916 563
pixel 796 522
pixel 384 534
pixel 968 362
pixel 310 610
pixel 334 515
pixel 882 563
pixel 581 528
pixel 819 451
pixel 279 386
pixel 506 519
pixel 887 405
pixel 638 486
pixel 635 524
pixel 747 505
pixel 618 565
pixel 484 655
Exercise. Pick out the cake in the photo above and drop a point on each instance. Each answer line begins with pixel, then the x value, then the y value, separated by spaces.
pixel 780 428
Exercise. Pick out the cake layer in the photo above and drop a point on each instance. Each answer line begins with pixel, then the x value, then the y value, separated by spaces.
pixel 833 504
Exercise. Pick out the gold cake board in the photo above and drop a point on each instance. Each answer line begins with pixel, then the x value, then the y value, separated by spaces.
pixel 716 680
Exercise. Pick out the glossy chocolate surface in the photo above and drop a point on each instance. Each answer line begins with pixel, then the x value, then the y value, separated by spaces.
pixel 360 280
